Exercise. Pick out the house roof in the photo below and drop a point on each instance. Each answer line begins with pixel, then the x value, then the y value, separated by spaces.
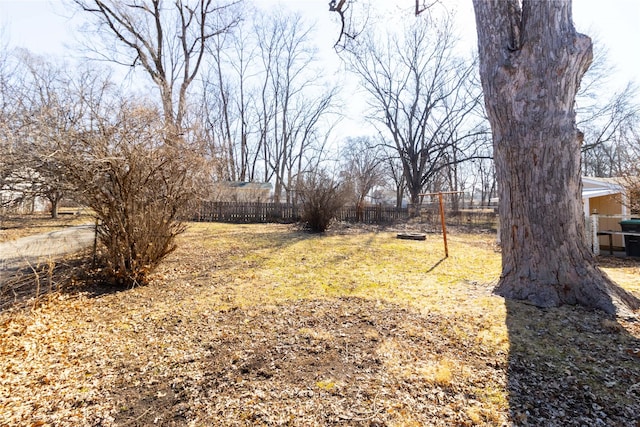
pixel 247 185
pixel 597 187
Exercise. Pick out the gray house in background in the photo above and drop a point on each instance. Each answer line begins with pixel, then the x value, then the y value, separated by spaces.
pixel 238 191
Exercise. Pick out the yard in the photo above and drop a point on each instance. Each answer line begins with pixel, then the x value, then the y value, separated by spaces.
pixel 268 325
pixel 17 226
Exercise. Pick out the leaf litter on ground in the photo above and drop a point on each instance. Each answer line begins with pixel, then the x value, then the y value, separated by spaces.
pixel 268 325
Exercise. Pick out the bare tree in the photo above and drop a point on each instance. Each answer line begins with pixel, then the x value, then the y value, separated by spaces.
pixel 531 64
pixel 394 173
pixel 631 175
pixel 606 118
pixel 470 142
pixel 9 98
pixel 48 112
pixel 265 102
pixel 77 133
pixel 419 91
pixel 363 162
pixel 219 108
pixel 486 174
pixel 227 104
pixel 167 39
pixel 293 100
pixel 611 158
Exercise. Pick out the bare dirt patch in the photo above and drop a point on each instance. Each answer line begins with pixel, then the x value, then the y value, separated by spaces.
pixel 345 361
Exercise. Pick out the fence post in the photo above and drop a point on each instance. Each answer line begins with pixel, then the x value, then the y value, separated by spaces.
pixel 95 244
pixel 594 232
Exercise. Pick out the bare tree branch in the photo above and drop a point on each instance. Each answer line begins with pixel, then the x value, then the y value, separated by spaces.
pixel 421 94
pixel 169 42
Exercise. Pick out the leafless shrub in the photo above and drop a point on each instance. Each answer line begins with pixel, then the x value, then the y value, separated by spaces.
pixel 321 196
pixel 138 183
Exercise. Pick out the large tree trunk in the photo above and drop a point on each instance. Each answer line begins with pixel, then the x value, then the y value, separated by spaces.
pixel 531 64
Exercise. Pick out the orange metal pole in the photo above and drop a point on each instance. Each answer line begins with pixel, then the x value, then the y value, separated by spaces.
pixel 444 227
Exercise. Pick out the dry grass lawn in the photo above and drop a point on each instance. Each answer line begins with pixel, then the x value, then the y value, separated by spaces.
pixel 267 325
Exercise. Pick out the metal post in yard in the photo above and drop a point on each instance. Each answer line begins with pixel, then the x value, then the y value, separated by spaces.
pixel 594 232
pixel 442 219
pixel 444 226
pixel 95 244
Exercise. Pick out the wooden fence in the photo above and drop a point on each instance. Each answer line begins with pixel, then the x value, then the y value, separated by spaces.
pixel 285 213
pixel 250 212
pixel 377 214
pixel 481 217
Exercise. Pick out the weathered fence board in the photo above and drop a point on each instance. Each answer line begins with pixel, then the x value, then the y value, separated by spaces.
pixel 245 212
pixel 253 212
pixel 286 213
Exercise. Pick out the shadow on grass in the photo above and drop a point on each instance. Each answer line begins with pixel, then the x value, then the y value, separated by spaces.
pixel 436 265
pixel 570 366
pixel 280 240
pixel 71 275
pixel 74 273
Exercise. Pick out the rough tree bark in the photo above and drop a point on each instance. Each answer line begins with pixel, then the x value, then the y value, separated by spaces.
pixel 531 63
